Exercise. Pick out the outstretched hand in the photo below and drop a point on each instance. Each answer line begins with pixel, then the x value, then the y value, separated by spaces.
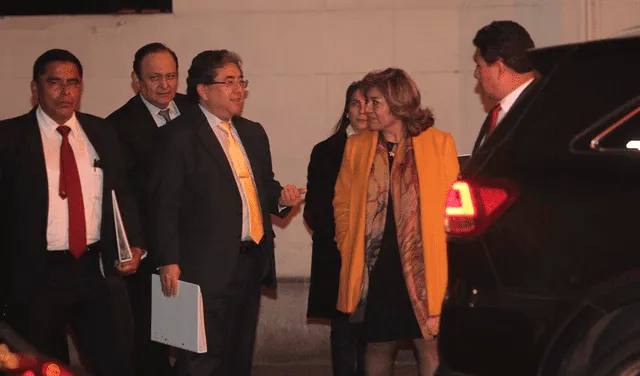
pixel 291 195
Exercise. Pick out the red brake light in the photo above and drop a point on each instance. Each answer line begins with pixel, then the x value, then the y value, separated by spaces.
pixel 472 207
pixel 51 369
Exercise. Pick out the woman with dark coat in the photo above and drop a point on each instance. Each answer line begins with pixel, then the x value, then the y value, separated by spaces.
pixel 346 352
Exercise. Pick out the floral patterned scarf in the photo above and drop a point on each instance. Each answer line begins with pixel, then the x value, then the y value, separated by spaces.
pixel 402 180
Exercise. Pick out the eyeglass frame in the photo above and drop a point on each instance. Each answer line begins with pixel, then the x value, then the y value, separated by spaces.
pixel 231 83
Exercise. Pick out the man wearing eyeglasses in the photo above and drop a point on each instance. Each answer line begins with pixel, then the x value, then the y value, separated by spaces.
pixel 155 74
pixel 213 190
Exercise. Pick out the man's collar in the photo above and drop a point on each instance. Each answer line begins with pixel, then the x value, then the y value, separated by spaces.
pixel 507 102
pixel 155 109
pixel 211 118
pixel 49 125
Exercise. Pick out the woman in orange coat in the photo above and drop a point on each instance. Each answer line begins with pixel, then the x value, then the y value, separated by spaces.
pixel 389 206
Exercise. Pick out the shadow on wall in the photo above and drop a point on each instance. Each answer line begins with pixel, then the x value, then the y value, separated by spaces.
pixel 282 223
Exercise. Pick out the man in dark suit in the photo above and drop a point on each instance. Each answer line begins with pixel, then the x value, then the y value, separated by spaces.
pixel 155 73
pixel 503 69
pixel 58 168
pixel 212 189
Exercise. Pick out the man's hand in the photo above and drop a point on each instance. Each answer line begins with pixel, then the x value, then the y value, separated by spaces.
pixel 291 195
pixel 131 266
pixel 169 275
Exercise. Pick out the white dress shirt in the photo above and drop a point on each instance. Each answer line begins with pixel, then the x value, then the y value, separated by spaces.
pixel 160 121
pixel 222 137
pixel 90 181
pixel 507 102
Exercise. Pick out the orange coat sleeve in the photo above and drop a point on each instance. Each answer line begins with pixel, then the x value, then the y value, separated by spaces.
pixel 452 168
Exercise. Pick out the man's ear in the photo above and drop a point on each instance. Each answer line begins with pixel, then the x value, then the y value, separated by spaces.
pixel 135 82
pixel 502 67
pixel 34 93
pixel 202 92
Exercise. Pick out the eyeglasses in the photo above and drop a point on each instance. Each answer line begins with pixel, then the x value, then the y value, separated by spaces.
pixel 229 84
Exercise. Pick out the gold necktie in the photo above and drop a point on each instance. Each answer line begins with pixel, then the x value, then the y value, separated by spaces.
pixel 241 167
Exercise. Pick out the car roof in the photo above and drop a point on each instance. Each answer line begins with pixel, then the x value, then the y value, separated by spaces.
pixel 633 31
pixel 545 58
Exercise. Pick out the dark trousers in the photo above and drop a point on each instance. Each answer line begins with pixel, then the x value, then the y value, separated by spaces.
pixel 230 320
pixel 151 358
pixel 72 292
pixel 347 353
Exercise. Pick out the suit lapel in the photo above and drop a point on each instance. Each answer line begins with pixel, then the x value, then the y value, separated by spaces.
pixel 97 140
pixel 483 133
pixel 144 117
pixel 211 144
pixel 93 133
pixel 34 154
pixel 249 147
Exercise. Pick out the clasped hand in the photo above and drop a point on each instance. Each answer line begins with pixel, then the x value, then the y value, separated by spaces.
pixel 291 195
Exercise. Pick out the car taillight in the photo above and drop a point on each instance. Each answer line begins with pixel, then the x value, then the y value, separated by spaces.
pixel 53 369
pixel 30 365
pixel 472 206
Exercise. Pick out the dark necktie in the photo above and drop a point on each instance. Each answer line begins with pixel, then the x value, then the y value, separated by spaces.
pixel 165 114
pixel 494 118
pixel 71 190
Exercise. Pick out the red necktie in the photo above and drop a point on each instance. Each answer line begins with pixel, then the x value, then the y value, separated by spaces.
pixel 71 189
pixel 494 118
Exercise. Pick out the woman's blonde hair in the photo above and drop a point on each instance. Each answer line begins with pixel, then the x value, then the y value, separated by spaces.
pixel 403 97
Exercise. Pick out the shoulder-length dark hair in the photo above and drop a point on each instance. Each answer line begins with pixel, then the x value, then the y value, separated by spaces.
pixel 403 97
pixel 343 123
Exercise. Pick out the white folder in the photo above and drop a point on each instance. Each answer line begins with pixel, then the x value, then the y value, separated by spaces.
pixel 178 321
pixel 124 250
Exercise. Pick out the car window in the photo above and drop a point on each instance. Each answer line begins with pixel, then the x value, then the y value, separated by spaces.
pixel 621 135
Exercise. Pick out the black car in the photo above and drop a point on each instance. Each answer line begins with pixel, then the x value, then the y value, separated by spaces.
pixel 544 226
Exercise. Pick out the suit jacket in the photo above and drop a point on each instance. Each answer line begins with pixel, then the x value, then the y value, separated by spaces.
pixel 437 165
pixel 324 166
pixel 25 198
pixel 197 208
pixel 138 133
